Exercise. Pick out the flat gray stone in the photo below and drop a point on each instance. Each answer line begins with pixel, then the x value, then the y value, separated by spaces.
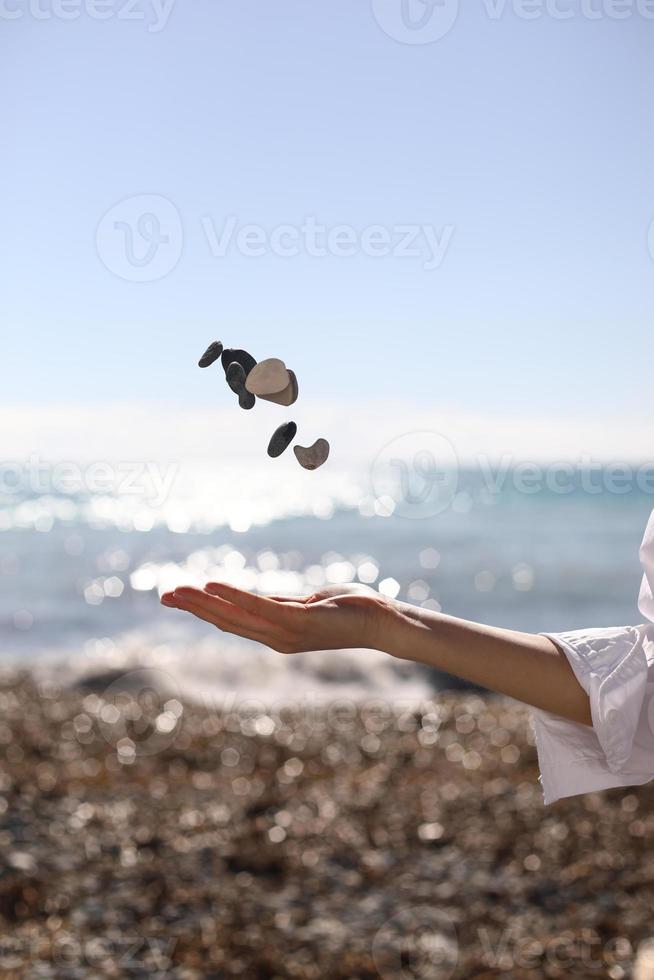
pixel 268 377
pixel 211 354
pixel 281 439
pixel 286 397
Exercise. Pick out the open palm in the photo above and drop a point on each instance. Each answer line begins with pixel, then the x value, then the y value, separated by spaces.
pixel 336 617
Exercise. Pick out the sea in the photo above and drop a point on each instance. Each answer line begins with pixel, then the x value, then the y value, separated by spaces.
pixel 82 564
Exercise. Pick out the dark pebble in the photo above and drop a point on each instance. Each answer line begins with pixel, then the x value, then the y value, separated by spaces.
pixel 235 376
pixel 241 357
pixel 211 354
pixel 236 380
pixel 281 439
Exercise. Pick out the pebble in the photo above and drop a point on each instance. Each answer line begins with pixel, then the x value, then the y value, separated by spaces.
pixel 242 357
pixel 268 377
pixel 211 354
pixel 180 843
pixel 236 380
pixel 286 397
pixel 311 457
pixel 281 439
pixel 644 965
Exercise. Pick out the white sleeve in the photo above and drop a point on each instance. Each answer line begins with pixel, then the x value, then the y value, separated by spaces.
pixel 612 665
pixel 646 597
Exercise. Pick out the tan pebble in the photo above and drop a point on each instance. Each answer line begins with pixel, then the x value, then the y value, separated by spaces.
pixel 311 457
pixel 268 377
pixel 286 397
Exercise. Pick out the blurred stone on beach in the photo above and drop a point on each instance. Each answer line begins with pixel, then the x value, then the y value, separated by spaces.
pixel 141 836
pixel 644 968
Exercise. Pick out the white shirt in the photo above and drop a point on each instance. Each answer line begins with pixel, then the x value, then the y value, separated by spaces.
pixel 616 668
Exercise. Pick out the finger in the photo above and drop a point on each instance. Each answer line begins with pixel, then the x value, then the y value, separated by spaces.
pixel 258 605
pixel 237 629
pixel 217 606
pixel 302 599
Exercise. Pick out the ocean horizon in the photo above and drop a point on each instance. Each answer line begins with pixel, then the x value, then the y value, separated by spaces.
pixel 530 547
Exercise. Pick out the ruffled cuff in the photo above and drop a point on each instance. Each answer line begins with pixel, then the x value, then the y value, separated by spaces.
pixel 612 667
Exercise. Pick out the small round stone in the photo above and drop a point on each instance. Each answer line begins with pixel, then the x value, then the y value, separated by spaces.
pixel 268 377
pixel 246 400
pixel 231 354
pixel 281 439
pixel 211 354
pixel 311 457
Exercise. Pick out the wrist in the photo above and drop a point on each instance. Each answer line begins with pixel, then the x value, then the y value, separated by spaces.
pixel 389 626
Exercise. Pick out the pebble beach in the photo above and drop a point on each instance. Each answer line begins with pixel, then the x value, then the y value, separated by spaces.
pixel 145 837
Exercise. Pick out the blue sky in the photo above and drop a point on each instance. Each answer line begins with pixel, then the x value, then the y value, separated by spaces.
pixel 527 145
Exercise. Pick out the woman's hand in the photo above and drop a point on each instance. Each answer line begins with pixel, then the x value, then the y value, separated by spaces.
pixel 527 667
pixel 337 617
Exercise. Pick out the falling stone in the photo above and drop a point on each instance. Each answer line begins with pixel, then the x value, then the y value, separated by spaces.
pixel 236 381
pixel 281 439
pixel 241 357
pixel 286 397
pixel 235 377
pixel 211 354
pixel 312 457
pixel 268 377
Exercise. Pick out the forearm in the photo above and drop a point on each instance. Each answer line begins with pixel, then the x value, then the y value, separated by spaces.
pixel 524 666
